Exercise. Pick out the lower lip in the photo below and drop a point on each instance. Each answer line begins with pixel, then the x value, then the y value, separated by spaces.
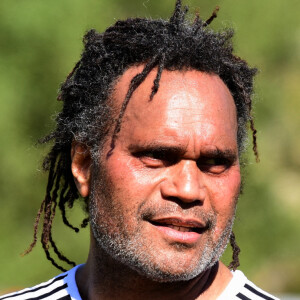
pixel 179 236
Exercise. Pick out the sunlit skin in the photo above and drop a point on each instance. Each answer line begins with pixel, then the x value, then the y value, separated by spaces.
pixel 174 166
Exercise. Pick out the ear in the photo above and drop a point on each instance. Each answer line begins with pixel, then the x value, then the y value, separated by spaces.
pixel 81 167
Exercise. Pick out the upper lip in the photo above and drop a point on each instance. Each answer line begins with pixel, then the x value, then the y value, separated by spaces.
pixel 178 221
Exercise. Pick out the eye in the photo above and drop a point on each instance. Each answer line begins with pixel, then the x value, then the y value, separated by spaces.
pixel 214 165
pixel 157 157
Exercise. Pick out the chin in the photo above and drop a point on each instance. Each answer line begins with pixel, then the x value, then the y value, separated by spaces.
pixel 175 274
pixel 174 268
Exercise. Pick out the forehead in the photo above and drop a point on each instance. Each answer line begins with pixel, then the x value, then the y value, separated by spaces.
pixel 186 102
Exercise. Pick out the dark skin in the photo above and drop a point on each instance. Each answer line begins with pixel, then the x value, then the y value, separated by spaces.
pixel 127 284
pixel 179 162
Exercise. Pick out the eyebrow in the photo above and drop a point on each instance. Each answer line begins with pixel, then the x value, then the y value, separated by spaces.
pixel 162 146
pixel 229 154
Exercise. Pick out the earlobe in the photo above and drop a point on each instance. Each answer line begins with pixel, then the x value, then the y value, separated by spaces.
pixel 81 167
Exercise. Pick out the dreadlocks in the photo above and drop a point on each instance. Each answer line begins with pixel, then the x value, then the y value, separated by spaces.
pixel 86 115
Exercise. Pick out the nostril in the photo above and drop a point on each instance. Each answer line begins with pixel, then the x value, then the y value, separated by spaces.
pixel 184 204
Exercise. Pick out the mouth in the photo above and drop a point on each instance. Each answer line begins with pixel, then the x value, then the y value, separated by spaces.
pixel 179 225
pixel 181 230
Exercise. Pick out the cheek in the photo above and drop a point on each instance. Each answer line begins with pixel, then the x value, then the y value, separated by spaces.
pixel 129 185
pixel 224 194
pixel 130 175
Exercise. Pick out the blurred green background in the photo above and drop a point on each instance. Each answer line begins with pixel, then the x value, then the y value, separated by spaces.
pixel 40 42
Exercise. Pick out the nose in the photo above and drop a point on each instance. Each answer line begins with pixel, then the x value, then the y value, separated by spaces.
pixel 185 182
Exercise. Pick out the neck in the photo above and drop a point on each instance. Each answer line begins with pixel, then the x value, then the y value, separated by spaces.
pixel 104 278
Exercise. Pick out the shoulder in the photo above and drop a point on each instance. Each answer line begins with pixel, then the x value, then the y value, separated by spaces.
pixel 61 287
pixel 241 288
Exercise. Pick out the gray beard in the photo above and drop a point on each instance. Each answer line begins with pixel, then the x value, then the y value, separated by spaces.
pixel 127 249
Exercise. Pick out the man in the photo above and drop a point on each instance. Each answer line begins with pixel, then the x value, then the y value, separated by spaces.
pixel 150 134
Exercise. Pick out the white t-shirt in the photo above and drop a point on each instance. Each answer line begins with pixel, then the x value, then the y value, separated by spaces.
pixel 63 287
pixel 240 287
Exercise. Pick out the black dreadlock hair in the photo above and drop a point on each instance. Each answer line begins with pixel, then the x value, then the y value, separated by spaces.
pixel 174 44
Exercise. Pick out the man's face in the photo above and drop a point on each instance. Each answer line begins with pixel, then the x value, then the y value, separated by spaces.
pixel 163 202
